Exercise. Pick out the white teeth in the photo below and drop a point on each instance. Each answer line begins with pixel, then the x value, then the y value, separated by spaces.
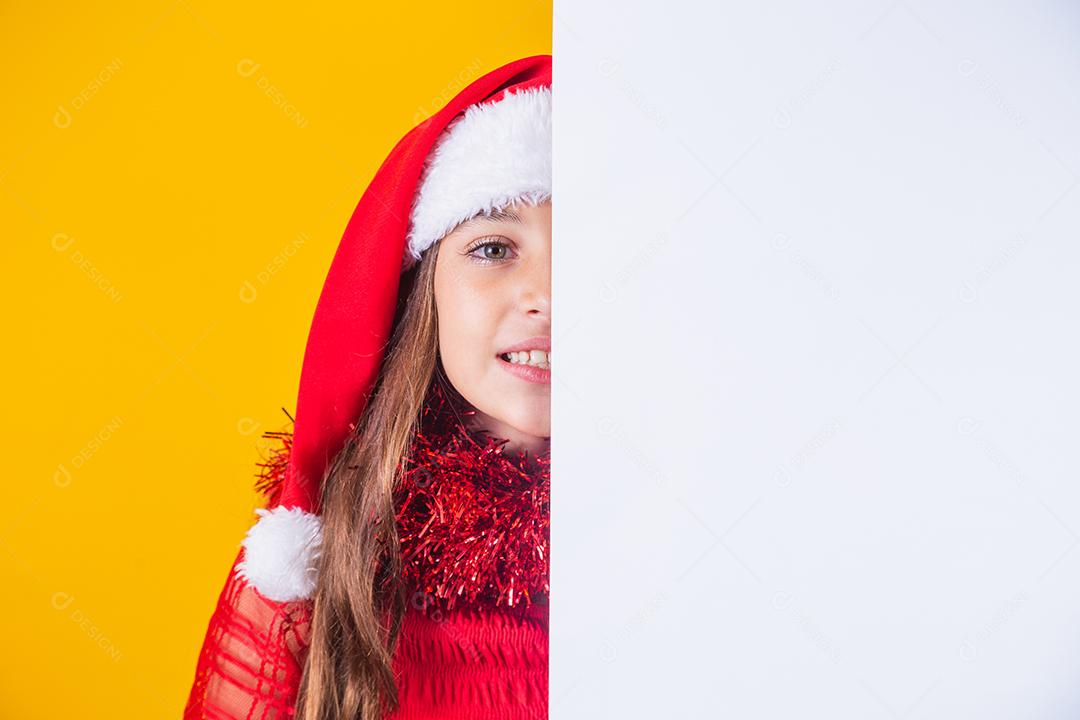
pixel 536 358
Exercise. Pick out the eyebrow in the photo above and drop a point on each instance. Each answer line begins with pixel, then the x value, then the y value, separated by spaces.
pixel 494 216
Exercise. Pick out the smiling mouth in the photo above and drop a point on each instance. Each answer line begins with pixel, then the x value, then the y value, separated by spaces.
pixel 529 358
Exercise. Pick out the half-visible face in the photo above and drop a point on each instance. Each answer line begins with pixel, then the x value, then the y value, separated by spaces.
pixel 493 299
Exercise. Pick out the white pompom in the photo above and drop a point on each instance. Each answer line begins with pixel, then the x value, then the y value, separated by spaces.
pixel 280 554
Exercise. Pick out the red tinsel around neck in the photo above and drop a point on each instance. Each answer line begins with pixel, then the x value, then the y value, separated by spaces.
pixel 473 521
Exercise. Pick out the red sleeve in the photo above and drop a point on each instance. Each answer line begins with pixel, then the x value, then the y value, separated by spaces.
pixel 252 658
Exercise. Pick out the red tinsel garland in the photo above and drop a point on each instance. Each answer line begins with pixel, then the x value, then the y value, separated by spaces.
pixel 473 521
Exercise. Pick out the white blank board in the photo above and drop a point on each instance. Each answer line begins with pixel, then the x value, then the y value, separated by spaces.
pixel 815 410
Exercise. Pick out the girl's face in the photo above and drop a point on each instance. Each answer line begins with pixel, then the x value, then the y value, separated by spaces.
pixel 493 293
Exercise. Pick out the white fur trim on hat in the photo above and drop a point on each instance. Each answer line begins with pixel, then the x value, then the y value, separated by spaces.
pixel 491 156
pixel 280 554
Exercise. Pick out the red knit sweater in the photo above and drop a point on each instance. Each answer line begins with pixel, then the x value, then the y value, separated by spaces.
pixel 475 664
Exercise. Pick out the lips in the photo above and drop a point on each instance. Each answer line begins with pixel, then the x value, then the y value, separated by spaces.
pixel 529 373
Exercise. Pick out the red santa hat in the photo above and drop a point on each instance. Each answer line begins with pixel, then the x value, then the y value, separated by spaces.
pixel 490 146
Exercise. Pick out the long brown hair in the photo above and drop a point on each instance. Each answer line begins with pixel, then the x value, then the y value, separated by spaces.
pixel 359 600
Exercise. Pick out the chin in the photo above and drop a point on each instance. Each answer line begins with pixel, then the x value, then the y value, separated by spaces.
pixel 533 424
pixel 534 419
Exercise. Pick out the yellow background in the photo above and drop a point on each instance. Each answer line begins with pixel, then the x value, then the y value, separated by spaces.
pixel 174 179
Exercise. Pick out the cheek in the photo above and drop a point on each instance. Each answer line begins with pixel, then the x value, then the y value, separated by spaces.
pixel 467 325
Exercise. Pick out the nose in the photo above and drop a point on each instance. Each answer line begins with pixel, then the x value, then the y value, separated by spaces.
pixel 536 287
